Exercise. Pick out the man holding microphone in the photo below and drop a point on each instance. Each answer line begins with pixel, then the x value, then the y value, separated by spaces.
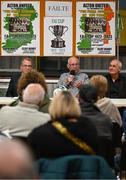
pixel 73 79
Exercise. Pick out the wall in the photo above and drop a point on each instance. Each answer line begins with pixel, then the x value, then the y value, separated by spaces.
pixel 123 31
pixel 54 66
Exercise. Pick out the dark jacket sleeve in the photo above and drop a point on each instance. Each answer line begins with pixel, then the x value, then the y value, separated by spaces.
pixel 12 88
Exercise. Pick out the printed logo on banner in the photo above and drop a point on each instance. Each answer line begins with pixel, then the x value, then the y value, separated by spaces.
pixel 19 35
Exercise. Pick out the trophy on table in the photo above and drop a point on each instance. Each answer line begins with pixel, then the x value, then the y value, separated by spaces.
pixel 58 31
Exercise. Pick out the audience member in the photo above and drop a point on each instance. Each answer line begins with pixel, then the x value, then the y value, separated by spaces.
pixel 123 161
pixel 58 90
pixel 87 99
pixel 16 161
pixel 26 66
pixel 67 133
pixel 33 77
pixel 105 104
pixel 74 78
pixel 21 119
pixel 116 81
pixel 102 122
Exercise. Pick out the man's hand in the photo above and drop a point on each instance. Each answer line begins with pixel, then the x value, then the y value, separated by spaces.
pixel 78 84
pixel 70 78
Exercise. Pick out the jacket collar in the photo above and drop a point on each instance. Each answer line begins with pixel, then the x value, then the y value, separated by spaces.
pixel 32 106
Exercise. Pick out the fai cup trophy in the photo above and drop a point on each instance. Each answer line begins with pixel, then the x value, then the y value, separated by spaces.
pixel 58 31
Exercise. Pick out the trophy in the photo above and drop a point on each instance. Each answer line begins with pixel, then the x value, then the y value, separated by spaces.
pixel 58 31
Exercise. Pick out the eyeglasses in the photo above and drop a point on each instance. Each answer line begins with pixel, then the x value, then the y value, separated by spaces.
pixel 27 65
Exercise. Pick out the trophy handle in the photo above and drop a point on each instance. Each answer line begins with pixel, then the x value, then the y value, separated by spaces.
pixel 50 28
pixel 65 27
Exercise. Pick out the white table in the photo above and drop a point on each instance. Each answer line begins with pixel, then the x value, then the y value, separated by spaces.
pixel 6 100
pixel 119 102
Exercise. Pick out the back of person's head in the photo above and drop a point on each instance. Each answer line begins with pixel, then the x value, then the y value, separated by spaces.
pixel 33 94
pixel 101 84
pixel 88 93
pixel 16 161
pixel 31 77
pixel 64 104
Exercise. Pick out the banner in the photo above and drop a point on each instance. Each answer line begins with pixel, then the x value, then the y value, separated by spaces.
pixel 57 36
pixel 58 26
pixel 95 28
pixel 20 28
pixel 58 8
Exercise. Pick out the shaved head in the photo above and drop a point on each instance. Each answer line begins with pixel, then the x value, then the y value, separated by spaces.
pixel 15 160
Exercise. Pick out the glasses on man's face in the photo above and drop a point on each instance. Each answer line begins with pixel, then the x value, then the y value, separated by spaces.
pixel 74 64
pixel 30 66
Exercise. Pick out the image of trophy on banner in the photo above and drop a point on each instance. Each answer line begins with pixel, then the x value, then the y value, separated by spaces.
pixel 58 31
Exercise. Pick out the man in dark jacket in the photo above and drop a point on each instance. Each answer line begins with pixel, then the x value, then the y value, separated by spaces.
pixel 116 81
pixel 26 66
pixel 103 124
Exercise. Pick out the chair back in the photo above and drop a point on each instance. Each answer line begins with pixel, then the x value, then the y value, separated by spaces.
pixel 74 167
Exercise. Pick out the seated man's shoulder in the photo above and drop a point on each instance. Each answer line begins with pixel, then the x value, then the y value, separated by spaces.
pixel 5 109
pixel 83 73
pixel 16 74
pixel 122 76
pixel 64 74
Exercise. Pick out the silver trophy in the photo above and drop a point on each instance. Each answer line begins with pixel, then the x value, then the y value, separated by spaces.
pixel 58 31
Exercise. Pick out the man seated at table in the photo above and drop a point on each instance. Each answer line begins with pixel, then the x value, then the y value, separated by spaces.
pixel 26 66
pixel 116 81
pixel 73 79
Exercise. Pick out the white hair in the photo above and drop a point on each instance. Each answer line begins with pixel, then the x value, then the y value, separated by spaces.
pixel 73 57
pixel 33 94
pixel 118 62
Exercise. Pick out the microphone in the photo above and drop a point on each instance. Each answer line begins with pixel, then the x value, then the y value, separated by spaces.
pixel 72 72
pixel 71 76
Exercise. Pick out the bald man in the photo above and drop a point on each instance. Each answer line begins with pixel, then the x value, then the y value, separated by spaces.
pixel 74 78
pixel 21 119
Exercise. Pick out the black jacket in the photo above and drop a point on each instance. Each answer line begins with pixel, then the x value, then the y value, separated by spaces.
pixel 101 121
pixel 116 89
pixel 12 88
pixel 47 141
pixel 103 124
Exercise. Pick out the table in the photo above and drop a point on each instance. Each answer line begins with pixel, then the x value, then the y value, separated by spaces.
pixel 119 102
pixel 6 100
